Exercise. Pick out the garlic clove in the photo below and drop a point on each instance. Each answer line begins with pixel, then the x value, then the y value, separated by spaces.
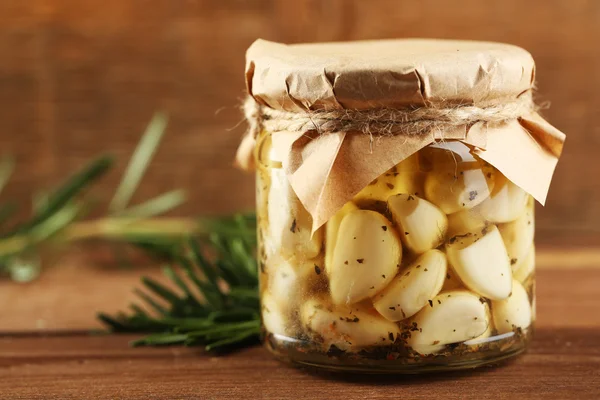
pixel 452 281
pixel 484 337
pixel 347 327
pixel 447 154
pixel 518 235
pixel 410 290
pixel 455 188
pixel 274 318
pixel 465 221
pixel 406 177
pixel 366 257
pixel 289 223
pixel 451 317
pixel 481 262
pixel 290 280
pixel 331 231
pixel 422 225
pixel 506 202
pixel 523 269
pixel 512 312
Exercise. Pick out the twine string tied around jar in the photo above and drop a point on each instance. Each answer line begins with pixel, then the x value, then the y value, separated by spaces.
pixel 386 121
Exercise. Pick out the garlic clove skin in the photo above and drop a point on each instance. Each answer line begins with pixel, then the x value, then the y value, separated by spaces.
pixel 331 231
pixel 481 262
pixel 452 317
pixel 289 223
pixel 410 290
pixel 366 257
pixel 347 327
pixel 518 235
pixel 465 221
pixel 422 226
pixel 506 202
pixel 447 154
pixel 512 312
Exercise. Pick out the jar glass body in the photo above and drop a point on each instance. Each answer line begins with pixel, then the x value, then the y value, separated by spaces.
pixel 429 267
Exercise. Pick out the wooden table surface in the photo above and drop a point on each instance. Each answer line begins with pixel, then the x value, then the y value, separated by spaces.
pixel 563 362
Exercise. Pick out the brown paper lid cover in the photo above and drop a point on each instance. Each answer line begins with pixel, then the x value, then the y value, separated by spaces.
pixel 385 73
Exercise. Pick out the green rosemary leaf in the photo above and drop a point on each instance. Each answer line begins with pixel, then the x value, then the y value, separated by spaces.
pixel 228 313
pixel 211 292
pixel 250 334
pixel 201 262
pixel 160 339
pixel 60 197
pixel 138 311
pixel 160 290
pixel 156 206
pixel 17 245
pixel 247 225
pixel 228 274
pixel 55 222
pixel 160 310
pixel 240 225
pixel 243 294
pixel 65 193
pixel 240 254
pixel 114 323
pixel 162 248
pixel 171 274
pixel 219 330
pixel 39 201
pixel 240 313
pixel 139 162
pixel 221 246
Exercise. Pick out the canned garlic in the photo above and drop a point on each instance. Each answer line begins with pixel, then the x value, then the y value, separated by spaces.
pixel 395 200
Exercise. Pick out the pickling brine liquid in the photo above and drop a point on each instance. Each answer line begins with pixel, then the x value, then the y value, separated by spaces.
pixel 429 267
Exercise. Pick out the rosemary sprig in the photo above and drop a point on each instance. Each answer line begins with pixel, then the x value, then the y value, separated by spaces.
pixel 216 302
pixel 140 160
pixel 57 214
pixel 59 210
pixel 209 260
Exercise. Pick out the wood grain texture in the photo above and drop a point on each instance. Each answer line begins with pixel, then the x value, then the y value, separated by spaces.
pixel 78 78
pixel 563 363
pixel 68 296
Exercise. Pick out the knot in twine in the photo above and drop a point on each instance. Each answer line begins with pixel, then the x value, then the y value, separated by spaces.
pixel 384 121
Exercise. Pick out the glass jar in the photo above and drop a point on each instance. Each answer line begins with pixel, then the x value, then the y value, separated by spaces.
pixel 429 267
pixel 395 200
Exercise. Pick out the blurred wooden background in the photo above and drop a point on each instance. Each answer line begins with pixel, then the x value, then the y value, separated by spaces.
pixel 80 77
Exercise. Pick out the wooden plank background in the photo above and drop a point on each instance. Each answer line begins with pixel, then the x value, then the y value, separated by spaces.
pixel 79 77
pixel 563 362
